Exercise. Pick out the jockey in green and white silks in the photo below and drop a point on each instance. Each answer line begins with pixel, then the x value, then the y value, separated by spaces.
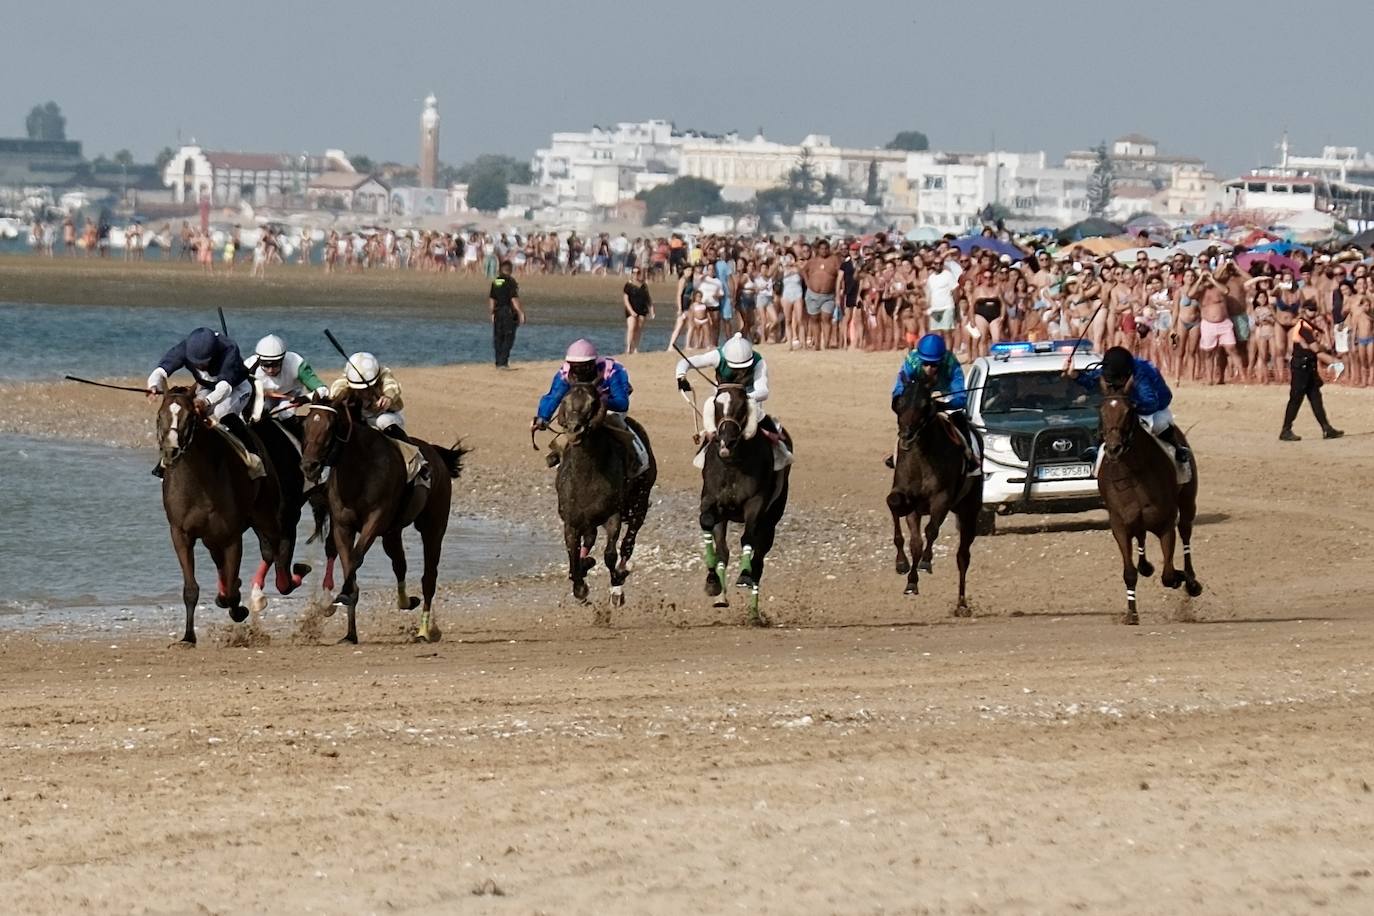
pixel 737 363
pixel 281 375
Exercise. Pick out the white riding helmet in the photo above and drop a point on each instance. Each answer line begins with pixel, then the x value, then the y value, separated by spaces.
pixel 362 370
pixel 738 353
pixel 271 349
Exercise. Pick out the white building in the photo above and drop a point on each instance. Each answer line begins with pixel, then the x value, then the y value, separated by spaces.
pixel 605 165
pixel 953 190
pixel 758 163
pixel 843 214
pixel 255 178
pixel 349 191
pixel 1136 161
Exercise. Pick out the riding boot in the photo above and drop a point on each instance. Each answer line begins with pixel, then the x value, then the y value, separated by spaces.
pixel 555 455
pixel 237 429
pixel 396 432
pixel 158 470
pixel 1170 436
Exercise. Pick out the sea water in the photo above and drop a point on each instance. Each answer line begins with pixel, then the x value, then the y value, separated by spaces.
pixel 83 537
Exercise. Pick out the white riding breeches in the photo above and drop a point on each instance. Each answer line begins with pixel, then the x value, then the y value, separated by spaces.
pixel 237 401
pixel 385 419
pixel 1157 422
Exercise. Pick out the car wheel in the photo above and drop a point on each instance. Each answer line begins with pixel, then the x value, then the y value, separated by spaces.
pixel 987 522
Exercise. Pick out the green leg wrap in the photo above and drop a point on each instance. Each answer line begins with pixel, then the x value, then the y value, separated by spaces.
pixel 708 541
pixel 746 561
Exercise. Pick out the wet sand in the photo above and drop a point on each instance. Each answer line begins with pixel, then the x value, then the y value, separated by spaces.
pixel 867 754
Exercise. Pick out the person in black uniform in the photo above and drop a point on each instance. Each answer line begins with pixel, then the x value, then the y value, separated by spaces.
pixel 1306 377
pixel 506 314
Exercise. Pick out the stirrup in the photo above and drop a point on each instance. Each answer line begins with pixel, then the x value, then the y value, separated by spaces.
pixel 552 459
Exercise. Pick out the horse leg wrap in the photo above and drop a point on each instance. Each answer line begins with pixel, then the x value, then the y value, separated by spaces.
pixel 708 541
pixel 1187 549
pixel 746 560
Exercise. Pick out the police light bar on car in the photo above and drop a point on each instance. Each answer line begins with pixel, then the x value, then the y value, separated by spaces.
pixel 1009 348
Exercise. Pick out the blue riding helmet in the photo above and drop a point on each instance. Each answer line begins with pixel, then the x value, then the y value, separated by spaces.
pixel 931 349
pixel 200 347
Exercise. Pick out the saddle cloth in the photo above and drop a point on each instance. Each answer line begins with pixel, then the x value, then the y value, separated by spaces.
pixel 417 468
pixel 782 456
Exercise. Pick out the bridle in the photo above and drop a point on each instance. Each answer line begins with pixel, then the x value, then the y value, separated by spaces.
pixel 906 437
pixel 192 422
pixel 593 423
pixel 337 440
pixel 1128 433
pixel 722 421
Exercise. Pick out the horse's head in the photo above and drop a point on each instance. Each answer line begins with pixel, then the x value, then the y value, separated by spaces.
pixel 735 418
pixel 1117 418
pixel 325 426
pixel 177 421
pixel 915 407
pixel 582 410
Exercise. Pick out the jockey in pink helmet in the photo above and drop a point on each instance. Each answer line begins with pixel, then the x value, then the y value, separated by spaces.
pixel 581 365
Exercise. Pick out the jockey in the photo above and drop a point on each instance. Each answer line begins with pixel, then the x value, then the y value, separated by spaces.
pixel 378 392
pixel 737 362
pixel 222 379
pixel 281 375
pixel 942 371
pixel 581 365
pixel 1141 381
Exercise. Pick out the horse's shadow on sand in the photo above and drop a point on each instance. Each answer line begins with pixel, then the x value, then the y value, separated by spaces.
pixel 1088 524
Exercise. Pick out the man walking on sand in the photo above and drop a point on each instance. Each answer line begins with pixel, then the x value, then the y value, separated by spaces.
pixel 506 314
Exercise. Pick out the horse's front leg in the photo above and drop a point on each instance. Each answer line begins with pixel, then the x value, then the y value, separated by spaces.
pixel 612 529
pixel 185 548
pixel 913 524
pixel 1169 576
pixel 577 569
pixel 1129 574
pixel 228 559
pixel 897 505
pixel 937 518
pixel 751 566
pixel 712 543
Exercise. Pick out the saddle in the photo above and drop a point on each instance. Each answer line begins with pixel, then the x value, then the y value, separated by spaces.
pixel 254 464
pixel 1183 472
pixel 417 468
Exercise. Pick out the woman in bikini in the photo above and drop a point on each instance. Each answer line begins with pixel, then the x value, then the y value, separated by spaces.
pixel 988 308
pixel 1264 329
pixel 1286 299
pixel 1189 323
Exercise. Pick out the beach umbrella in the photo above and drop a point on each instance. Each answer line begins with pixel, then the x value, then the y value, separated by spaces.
pixel 987 243
pixel 923 234
pixel 1280 262
pixel 1149 224
pixel 1093 226
pixel 1284 248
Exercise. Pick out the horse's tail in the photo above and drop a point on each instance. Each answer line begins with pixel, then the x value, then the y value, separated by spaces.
pixel 452 457
pixel 320 509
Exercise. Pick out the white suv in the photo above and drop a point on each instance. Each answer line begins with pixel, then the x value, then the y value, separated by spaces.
pixel 1039 429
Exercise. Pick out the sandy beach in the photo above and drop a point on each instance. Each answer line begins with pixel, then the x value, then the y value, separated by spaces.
pixel 867 754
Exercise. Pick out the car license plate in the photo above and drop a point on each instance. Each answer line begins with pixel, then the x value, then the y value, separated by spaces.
pixel 1063 471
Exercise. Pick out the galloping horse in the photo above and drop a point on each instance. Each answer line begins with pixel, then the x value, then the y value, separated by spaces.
pixel 209 496
pixel 594 490
pixel 370 497
pixel 930 478
pixel 739 484
pixel 1139 485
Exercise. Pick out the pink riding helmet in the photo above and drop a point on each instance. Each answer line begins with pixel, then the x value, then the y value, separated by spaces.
pixel 581 351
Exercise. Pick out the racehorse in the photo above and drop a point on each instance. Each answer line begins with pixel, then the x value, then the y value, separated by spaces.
pixel 370 496
pixel 1139 484
pixel 739 484
pixel 931 478
pixel 280 441
pixel 209 496
pixel 594 490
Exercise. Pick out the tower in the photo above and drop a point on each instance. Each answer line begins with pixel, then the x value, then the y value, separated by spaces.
pixel 429 142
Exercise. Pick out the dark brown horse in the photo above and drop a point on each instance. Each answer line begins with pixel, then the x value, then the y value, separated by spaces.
pixel 1138 481
pixel 369 497
pixel 208 496
pixel 931 479
pixel 596 491
pixel 739 484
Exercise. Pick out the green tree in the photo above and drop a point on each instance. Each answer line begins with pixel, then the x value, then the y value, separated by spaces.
pixel 46 122
pixel 164 156
pixel 487 191
pixel 1100 181
pixel 124 158
pixel 362 163
pixel 912 141
pixel 687 199
pixel 512 170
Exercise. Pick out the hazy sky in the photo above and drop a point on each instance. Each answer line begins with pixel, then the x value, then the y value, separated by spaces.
pixel 1218 80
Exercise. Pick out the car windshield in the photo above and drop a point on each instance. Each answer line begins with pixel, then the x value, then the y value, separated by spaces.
pixel 1035 391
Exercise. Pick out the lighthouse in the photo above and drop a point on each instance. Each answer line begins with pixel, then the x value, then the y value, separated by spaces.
pixel 429 142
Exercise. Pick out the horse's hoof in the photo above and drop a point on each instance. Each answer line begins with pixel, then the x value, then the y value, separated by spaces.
pixel 1145 568
pixel 721 601
pixel 238 614
pixel 184 644
pixel 1171 580
pixel 1131 619
pixel 713 587
pixel 911 589
pixel 963 610
pixel 903 567
pixel 411 604
pixel 617 596
pixel 1193 588
pixel 348 640
pixel 745 580
pixel 257 601
pixel 588 564
pixel 756 619
pixel 221 600
pixel 925 566
pixel 301 570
